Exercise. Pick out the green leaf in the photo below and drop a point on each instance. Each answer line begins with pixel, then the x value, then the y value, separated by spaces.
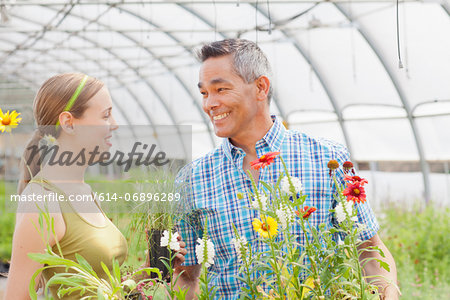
pixel 383 265
pixel 84 264
pixel 100 294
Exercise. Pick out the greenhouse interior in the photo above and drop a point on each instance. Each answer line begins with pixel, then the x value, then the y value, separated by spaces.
pixel 373 76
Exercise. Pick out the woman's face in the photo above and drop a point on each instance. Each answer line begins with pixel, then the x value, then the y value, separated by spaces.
pixel 96 125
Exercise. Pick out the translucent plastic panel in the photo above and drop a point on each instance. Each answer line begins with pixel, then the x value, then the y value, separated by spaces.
pixel 39 14
pixel 432 108
pixel 126 103
pixel 399 188
pixel 330 130
pixel 151 104
pixel 349 68
pixel 189 75
pixel 435 135
pixel 363 112
pixel 306 117
pixel 228 17
pixel 201 139
pixel 108 59
pixel 176 97
pixel 67 54
pixel 201 144
pixel 382 140
pixel 107 39
pixel 295 86
pixel 425 45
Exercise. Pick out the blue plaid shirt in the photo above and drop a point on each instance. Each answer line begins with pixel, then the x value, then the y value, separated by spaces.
pixel 217 178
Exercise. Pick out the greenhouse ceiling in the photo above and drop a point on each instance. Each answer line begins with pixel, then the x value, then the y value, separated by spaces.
pixel 336 64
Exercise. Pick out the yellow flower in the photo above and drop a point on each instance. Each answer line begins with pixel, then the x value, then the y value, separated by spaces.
pixel 9 120
pixel 266 227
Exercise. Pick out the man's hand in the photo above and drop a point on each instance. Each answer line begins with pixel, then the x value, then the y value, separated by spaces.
pixel 387 287
pixel 179 258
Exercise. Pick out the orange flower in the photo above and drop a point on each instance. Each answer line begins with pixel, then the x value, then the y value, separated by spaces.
pixel 264 160
pixel 306 211
pixel 355 192
pixel 356 179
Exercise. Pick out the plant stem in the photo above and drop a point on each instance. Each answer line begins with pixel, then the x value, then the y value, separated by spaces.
pixel 311 257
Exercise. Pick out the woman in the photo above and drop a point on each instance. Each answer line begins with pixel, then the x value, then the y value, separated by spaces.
pixel 77 111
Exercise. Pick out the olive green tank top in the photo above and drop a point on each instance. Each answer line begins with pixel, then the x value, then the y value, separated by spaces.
pixel 94 243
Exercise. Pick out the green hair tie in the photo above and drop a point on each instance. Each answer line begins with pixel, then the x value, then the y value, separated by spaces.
pixel 74 96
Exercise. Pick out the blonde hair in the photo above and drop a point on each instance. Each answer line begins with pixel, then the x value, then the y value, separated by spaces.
pixel 50 101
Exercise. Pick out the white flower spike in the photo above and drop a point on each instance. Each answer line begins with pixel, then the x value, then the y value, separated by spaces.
pixel 200 252
pixel 170 240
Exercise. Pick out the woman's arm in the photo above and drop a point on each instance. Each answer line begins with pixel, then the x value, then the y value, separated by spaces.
pixel 28 240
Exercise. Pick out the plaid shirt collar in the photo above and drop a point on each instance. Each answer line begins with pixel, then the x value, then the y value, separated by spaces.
pixel 272 139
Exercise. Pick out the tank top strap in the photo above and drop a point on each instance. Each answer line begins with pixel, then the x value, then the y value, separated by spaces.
pixel 67 207
pixel 64 205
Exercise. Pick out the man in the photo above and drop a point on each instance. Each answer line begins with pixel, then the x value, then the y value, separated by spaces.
pixel 236 87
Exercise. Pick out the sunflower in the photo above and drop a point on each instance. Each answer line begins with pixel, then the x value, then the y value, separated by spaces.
pixel 9 120
pixel 266 228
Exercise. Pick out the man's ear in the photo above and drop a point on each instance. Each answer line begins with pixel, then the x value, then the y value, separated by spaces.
pixel 263 86
pixel 66 121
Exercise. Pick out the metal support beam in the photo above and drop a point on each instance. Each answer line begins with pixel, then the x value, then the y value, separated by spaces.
pixel 402 95
pixel 322 79
pixel 180 81
pixel 225 36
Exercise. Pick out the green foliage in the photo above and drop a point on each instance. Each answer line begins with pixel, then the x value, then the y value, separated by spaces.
pixel 7 221
pixel 417 238
pixel 320 268
pixel 419 241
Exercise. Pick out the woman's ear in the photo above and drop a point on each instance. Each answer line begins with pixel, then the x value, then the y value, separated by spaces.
pixel 263 86
pixel 66 122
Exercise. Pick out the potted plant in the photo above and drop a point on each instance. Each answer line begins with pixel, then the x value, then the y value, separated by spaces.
pixel 158 215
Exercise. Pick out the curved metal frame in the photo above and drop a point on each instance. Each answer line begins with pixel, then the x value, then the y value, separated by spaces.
pixel 136 99
pixel 320 75
pixel 321 79
pixel 180 81
pixel 95 62
pixel 423 163
pixel 208 23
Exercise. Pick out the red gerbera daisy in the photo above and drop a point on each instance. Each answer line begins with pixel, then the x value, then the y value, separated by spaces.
pixel 356 179
pixel 355 192
pixel 264 160
pixel 306 211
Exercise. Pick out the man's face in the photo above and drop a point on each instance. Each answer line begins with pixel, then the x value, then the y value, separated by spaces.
pixel 228 100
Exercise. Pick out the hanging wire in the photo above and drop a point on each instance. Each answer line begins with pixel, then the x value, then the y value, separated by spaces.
pixel 352 41
pixel 400 64
pixel 270 19
pixel 256 22
pixel 215 20
pixel 310 73
pixel 405 41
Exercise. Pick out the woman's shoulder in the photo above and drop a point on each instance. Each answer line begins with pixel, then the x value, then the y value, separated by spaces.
pixel 36 198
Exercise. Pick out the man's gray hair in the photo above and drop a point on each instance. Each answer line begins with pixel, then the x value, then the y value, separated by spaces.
pixel 249 61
